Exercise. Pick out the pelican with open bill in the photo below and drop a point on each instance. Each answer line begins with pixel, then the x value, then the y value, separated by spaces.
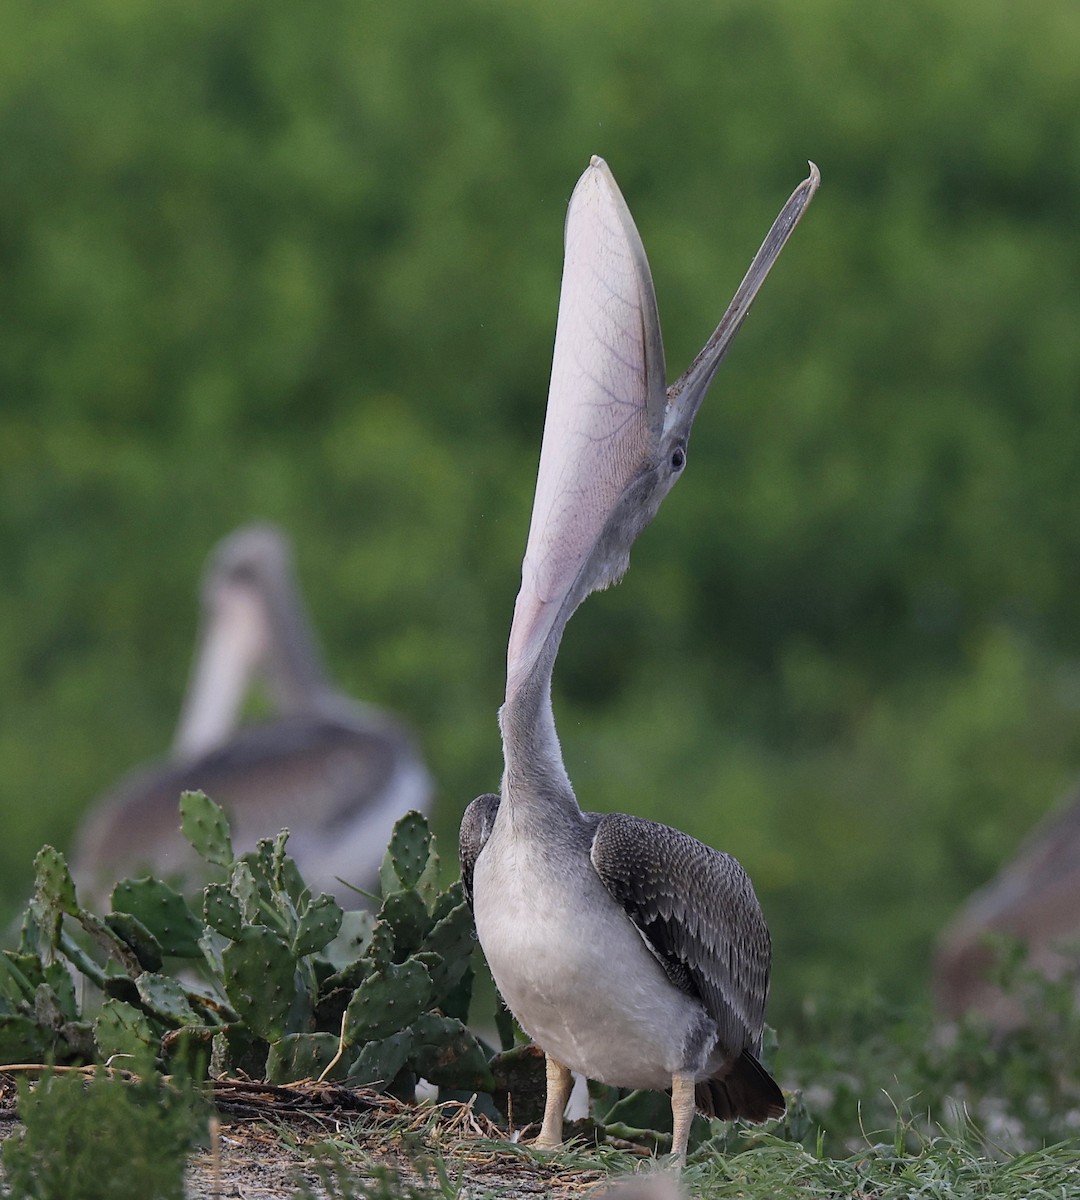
pixel 629 951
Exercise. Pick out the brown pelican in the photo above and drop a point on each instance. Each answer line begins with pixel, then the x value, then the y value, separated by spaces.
pixel 1035 899
pixel 337 773
pixel 630 952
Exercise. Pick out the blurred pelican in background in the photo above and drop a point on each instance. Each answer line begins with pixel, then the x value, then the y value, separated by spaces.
pixel 1034 899
pixel 337 773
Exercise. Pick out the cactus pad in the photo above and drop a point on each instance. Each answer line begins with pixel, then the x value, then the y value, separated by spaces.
pixel 164 912
pixel 138 939
pixel 54 894
pixel 319 925
pixel 452 940
pixel 206 827
pixel 22 1039
pixel 379 1062
pixel 353 938
pixel 407 916
pixel 446 1053
pixel 245 886
pixel 221 910
pixel 447 901
pixel 387 1001
pixel 407 855
pixel 107 940
pixel 303 1056
pixel 213 946
pixel 380 949
pixel 120 1028
pixel 19 975
pixel 260 974
pixel 165 998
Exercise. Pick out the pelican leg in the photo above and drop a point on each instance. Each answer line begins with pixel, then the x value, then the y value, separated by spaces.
pixel 682 1113
pixel 559 1083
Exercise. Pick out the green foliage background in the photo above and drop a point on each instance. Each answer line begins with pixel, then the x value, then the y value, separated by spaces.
pixel 261 260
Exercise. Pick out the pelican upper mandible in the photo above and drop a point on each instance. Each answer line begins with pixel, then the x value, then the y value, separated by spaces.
pixel 337 772
pixel 632 953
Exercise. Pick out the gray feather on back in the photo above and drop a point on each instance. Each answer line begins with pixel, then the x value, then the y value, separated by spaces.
pixel 697 910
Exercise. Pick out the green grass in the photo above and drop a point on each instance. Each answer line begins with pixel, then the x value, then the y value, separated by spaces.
pixel 857 1066
pixel 938 1167
pixel 905 1165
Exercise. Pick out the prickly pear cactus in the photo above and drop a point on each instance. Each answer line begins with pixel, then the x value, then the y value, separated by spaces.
pixel 291 986
pixel 54 897
pixel 352 940
pixel 19 975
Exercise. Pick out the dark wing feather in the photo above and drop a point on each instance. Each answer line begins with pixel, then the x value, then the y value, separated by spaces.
pixel 697 910
pixel 475 830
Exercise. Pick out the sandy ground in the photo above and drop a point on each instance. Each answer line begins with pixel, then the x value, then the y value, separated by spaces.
pixel 266 1142
pixel 256 1162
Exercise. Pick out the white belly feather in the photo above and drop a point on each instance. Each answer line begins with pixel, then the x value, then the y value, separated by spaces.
pixel 576 973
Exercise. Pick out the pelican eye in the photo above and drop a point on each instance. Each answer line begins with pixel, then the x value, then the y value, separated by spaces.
pixel 678 458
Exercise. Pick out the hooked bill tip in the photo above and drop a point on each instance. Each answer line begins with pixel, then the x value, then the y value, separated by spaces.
pixel 596 161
